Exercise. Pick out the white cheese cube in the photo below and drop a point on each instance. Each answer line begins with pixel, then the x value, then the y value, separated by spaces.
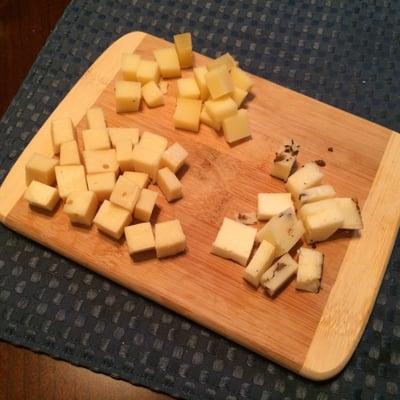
pixel 96 139
pixel 95 118
pixel 62 131
pixel 310 270
pixel 140 178
pixel 147 71
pixel 81 207
pixel 351 213
pixel 123 149
pixel 125 193
pixel 221 108
pixel 153 142
pixel 101 184
pixel 146 160
pixel 307 176
pixel 122 133
pixel 219 82
pixel 241 79
pixel 40 168
pixel 70 178
pixel 174 157
pixel 285 160
pixel 41 195
pixel 69 153
pixel 169 184
pixel 187 88
pixel 145 205
pixel 183 46
pixel 316 193
pixel 187 114
pixel 226 59
pixel 97 161
pixel 129 66
pixel 169 238
pixel 127 96
pixel 236 127
pixel 139 238
pixel 207 120
pixel 271 204
pixel 168 62
pixel 152 95
pixel 200 77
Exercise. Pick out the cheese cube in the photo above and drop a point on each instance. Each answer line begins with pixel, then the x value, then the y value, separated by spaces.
pixel 241 79
pixel 187 114
pixel 146 160
pixel 169 238
pixel 147 71
pixel 316 207
pixel 168 62
pixel 307 176
pixel 309 270
pixel 174 157
pixel 95 118
pixel 41 195
pixel 69 153
pixel 81 207
pixel 221 109
pixel 183 46
pixel 234 241
pixel 238 95
pixel 226 59
pixel 277 276
pixel 123 150
pixel 95 139
pixel 163 85
pixel 316 193
pixel 62 131
pixel 125 193
pixel 127 96
pixel 187 88
pixel 153 142
pixel 129 66
pixel 236 127
pixel 219 82
pixel 112 219
pixel 207 120
pixel 351 213
pixel 139 238
pixel 322 225
pixel 40 168
pixel 97 161
pixel 284 161
pixel 121 133
pixel 261 261
pixel 200 77
pixel 101 184
pixel 145 205
pixel 169 184
pixel 140 178
pixel 152 95
pixel 271 204
pixel 70 178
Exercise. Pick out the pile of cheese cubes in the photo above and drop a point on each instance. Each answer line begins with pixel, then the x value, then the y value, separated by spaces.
pixel 109 187
pixel 212 95
pixel 319 215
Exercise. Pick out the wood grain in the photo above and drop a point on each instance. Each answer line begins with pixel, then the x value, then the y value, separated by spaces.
pixel 219 181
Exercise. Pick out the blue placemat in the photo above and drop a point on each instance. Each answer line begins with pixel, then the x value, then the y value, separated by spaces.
pixel 345 53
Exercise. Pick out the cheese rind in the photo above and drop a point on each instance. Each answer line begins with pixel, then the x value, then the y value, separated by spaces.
pixel 221 108
pixel 127 96
pixel 170 238
pixel 169 184
pixel 236 127
pixel 271 204
pixel 309 270
pixel 125 193
pixel 187 114
pixel 96 139
pixel 41 195
pixel 152 95
pixel 95 118
pixel 307 176
pixel 97 161
pixel 183 46
pixel 62 130
pixel 70 178
pixel 81 207
pixel 154 142
pixel 187 88
pixel 145 205
pixel 69 153
pixel 146 160
pixel 139 238
pixel 122 133
pixel 101 184
pixel 174 157
pixel 219 82
pixel 40 168
pixel 129 66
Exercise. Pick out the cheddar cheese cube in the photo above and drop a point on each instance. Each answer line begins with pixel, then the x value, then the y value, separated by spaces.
pixel 146 160
pixel 127 96
pixel 168 62
pixel 241 79
pixel 145 205
pixel 170 238
pixel 139 238
pixel 147 71
pixel 129 66
pixel 219 82
pixel 187 88
pixel 200 77
pixel 152 95
pixel 187 114
pixel 236 127
pixel 183 46
pixel 221 108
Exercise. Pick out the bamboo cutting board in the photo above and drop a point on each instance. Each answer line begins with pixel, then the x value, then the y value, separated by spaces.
pixel 311 334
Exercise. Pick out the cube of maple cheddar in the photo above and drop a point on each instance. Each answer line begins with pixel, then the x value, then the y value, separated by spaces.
pixel 226 59
pixel 62 131
pixel 145 205
pixel 236 127
pixel 168 62
pixel 169 238
pixel 187 114
pixel 97 161
pixel 69 153
pixel 96 139
pixel 101 184
pixel 238 95
pixel 139 238
pixel 140 178
pixel 125 193
pixel 146 160
pixel 169 184
pixel 207 120
pixel 95 118
pixel 147 71
pixel 40 168
pixel 200 77
pixel 221 108
pixel 112 219
pixel 120 133
pixel 153 142
pixel 123 150
pixel 241 79
pixel 183 46
pixel 174 157
pixel 219 82
pixel 152 95
pixel 81 207
pixel 41 195
pixel 70 178
pixel 187 88
pixel 129 66
pixel 127 96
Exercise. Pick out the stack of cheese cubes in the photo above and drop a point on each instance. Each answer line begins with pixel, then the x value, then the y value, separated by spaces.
pixel 106 183
pixel 213 95
pixel 319 215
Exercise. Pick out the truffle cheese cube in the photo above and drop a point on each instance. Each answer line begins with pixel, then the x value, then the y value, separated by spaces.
pixel 284 161
pixel 219 82
pixel 241 79
pixel 127 96
pixel 112 219
pixel 238 95
pixel 145 205
pixel 200 77
pixel 187 88
pixel 154 142
pixel 129 66
pixel 169 184
pixel 81 207
pixel 221 109
pixel 123 150
pixel 139 238
pixel 95 139
pixel 125 193
pixel 95 118
pixel 140 178
pixel 315 193
pixel 62 131
pixel 307 176
pixel 147 71
pixel 97 161
pixel 69 153
pixel 183 46
pixel 174 157
pixel 41 195
pixel 101 184
pixel 187 114
pixel 271 204
pixel 169 238
pixel 207 120
pixel 69 179
pixel 40 168
pixel 351 213
pixel 226 59
pixel 146 160
pixel 236 127
pixel 152 95
pixel 168 62
pixel 309 270
pixel 234 241
pixel 121 133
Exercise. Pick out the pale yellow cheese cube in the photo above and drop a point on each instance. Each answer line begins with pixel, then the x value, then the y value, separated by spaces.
pixel 97 161
pixel 81 207
pixel 309 270
pixel 307 176
pixel 170 239
pixel 101 184
pixel 271 204
pixel 129 66
pixel 121 133
pixel 174 157
pixel 187 88
pixel 145 205
pixel 200 76
pixel 168 62
pixel 241 79
pixel 125 193
pixel 69 153
pixel 140 178
pixel 147 71
pixel 41 195
pixel 112 219
pixel 221 109
pixel 183 46
pixel 219 82
pixel 226 59
pixel 207 120
pixel 187 114
pixel 139 238
pixel 284 161
pixel 169 184
pixel 127 96
pixel 146 160
pixel 154 142
pixel 70 178
pixel 95 118
pixel 351 213
pixel 123 150
pixel 40 168
pixel 95 139
pixel 236 127
pixel 238 95
pixel 315 193
pixel 152 95
pixel 62 131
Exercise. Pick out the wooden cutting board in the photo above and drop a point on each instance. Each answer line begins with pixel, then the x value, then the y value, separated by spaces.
pixel 311 334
